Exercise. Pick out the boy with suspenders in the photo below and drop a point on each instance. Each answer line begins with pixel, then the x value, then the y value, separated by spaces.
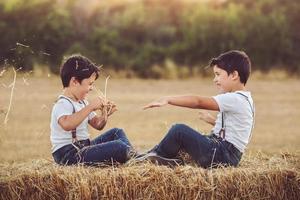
pixel 72 113
pixel 232 127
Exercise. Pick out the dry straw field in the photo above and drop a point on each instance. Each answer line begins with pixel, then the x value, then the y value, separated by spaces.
pixel 270 169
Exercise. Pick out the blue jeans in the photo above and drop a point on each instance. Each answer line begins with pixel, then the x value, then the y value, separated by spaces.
pixel 112 145
pixel 205 150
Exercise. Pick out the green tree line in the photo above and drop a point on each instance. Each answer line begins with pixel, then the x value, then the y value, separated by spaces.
pixel 147 36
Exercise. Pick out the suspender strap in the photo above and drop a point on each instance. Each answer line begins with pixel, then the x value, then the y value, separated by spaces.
pixel 252 110
pixel 222 120
pixel 73 131
pixel 222 131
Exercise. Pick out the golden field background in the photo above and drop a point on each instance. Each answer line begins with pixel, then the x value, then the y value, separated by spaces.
pixel 270 168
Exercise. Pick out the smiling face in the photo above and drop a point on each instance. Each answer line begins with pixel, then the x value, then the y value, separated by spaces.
pixel 223 80
pixel 80 90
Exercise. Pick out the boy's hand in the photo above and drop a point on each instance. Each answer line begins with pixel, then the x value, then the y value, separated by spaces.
pixel 97 103
pixel 111 108
pixel 158 103
pixel 207 117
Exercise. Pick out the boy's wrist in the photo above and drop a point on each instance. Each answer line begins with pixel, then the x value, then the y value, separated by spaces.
pixel 90 108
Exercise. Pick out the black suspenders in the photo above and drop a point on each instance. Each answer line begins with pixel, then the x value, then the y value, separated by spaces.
pixel 252 109
pixel 73 131
pixel 222 130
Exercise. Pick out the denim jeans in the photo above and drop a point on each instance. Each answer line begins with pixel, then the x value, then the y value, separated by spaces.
pixel 205 150
pixel 112 145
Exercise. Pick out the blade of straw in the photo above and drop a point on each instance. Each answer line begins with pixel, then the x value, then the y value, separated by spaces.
pixel 106 80
pixel 11 96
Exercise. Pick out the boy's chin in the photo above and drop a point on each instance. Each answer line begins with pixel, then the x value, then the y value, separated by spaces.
pixel 83 97
pixel 221 91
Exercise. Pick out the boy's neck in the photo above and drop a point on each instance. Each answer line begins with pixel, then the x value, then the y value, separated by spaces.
pixel 238 87
pixel 68 93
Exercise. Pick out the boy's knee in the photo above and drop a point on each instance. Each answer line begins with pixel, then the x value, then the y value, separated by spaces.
pixel 178 127
pixel 122 151
pixel 118 131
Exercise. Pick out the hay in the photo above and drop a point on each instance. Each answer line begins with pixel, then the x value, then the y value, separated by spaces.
pixel 276 178
pixel 11 96
pixel 108 107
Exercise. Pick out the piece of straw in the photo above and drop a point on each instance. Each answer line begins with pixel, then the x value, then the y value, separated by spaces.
pixel 11 96
pixel 104 110
pixel 106 80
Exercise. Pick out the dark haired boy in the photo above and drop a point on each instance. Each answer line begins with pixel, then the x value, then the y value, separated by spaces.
pixel 72 113
pixel 232 127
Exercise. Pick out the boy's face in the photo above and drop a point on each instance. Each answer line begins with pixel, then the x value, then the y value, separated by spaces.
pixel 223 80
pixel 82 89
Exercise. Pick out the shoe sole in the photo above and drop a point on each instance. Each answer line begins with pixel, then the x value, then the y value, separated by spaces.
pixel 156 159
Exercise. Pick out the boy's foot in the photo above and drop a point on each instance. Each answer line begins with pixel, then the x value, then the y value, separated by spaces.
pixel 133 154
pixel 159 160
pixel 139 155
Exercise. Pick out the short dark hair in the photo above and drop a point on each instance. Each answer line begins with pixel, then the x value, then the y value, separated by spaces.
pixel 234 60
pixel 77 66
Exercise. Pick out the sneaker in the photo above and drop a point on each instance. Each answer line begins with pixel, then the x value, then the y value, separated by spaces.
pixel 135 154
pixel 132 154
pixel 159 160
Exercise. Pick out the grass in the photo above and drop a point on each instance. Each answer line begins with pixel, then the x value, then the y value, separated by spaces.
pixel 269 168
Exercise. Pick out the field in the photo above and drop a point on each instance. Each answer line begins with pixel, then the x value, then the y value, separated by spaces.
pixel 269 169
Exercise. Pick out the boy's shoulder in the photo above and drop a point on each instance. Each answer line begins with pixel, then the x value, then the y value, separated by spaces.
pixel 235 94
pixel 63 102
pixel 233 101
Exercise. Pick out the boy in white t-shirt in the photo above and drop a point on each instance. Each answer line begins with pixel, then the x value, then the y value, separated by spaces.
pixel 71 115
pixel 232 127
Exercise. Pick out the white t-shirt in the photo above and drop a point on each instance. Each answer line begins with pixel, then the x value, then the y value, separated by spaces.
pixel 238 117
pixel 59 137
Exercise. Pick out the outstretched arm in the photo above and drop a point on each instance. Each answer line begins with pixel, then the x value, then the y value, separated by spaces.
pixel 189 101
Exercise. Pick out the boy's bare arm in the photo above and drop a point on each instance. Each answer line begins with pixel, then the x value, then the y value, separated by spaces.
pixel 189 101
pixel 99 122
pixel 70 122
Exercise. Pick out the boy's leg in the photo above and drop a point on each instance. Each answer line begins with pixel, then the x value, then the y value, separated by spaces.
pixel 111 135
pixel 106 152
pixel 181 137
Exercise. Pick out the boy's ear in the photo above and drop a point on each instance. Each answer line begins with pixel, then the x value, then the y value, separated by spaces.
pixel 235 75
pixel 73 81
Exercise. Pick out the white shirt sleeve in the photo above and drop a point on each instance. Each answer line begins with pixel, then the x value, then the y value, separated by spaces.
pixel 227 102
pixel 62 108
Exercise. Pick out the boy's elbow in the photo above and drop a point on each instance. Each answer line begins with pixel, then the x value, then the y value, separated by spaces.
pixel 200 103
pixel 64 125
pixel 100 128
pixel 207 103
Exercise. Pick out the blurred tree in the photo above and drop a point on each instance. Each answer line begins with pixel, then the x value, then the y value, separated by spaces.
pixel 143 36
